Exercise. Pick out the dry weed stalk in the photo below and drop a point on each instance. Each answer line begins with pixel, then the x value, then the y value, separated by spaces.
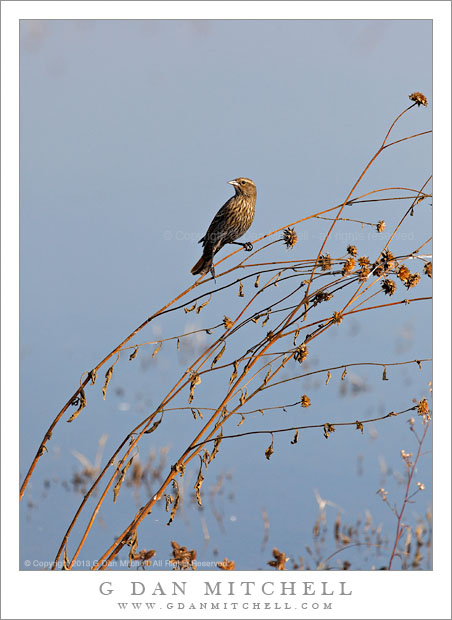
pixel 256 369
pixel 410 466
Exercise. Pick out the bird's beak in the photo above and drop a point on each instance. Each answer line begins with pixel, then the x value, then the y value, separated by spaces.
pixel 233 182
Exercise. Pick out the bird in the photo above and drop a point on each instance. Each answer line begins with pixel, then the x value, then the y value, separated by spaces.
pixel 231 222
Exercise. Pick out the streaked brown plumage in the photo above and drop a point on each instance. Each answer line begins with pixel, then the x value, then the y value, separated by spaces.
pixel 231 222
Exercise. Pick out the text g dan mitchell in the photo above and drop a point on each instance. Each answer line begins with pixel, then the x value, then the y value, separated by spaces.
pixel 229 588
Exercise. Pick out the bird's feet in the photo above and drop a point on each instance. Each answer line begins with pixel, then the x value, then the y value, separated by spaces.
pixel 246 246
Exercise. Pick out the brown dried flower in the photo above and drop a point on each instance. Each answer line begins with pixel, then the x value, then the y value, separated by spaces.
pixel 321 296
pixel 182 558
pixel 227 322
pixel 388 259
pixel 377 269
pixel 403 273
pixel 419 98
pixel 381 225
pixel 412 280
pixel 325 262
pixel 337 318
pixel 423 409
pixel 428 268
pixel 389 287
pixel 290 237
pixel 301 353
pixel 226 564
pixel 280 560
pixel 363 260
pixel 144 556
pixel 363 273
pixel 352 250
pixel 305 401
pixel 349 265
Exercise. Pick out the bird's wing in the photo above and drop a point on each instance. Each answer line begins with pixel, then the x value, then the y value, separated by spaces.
pixel 217 224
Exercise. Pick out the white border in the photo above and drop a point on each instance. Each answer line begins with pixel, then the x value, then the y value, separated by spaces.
pixel 375 595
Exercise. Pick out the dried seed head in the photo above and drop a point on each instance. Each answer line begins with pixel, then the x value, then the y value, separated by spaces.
pixel 227 322
pixel 389 287
pixel 321 296
pixel 301 353
pixel 428 269
pixel 305 401
pixel 388 259
pixel 183 558
pixel 226 564
pixel 352 250
pixel 419 98
pixel 325 262
pixel 420 486
pixel 381 225
pixel 337 318
pixel 377 269
pixel 403 273
pixel 423 409
pixel 280 560
pixel 412 280
pixel 363 261
pixel 363 273
pixel 290 238
pixel 349 265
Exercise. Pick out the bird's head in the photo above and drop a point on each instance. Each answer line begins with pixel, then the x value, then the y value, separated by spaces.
pixel 244 186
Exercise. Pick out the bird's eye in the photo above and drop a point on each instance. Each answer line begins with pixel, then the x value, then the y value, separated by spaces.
pixel 242 182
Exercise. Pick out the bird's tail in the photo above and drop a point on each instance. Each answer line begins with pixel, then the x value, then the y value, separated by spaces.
pixel 203 265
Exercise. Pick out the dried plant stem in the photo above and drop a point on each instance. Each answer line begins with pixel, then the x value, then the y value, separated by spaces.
pixel 47 436
pixel 380 150
pixel 266 355
pixel 194 448
pixel 400 526
pixel 308 426
pixel 358 293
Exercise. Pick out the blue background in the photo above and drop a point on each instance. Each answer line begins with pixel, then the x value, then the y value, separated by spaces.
pixel 129 132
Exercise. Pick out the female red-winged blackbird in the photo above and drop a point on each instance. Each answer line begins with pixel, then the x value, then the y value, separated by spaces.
pixel 231 222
